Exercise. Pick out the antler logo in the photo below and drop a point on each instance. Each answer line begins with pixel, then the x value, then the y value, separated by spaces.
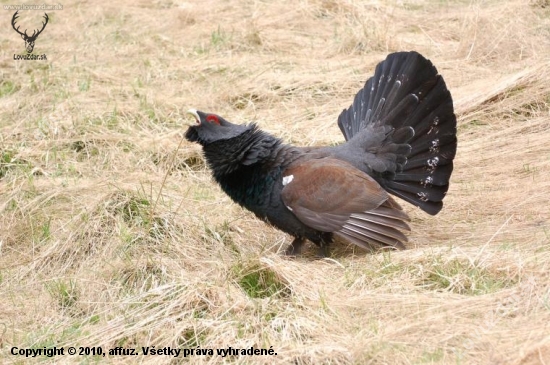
pixel 29 40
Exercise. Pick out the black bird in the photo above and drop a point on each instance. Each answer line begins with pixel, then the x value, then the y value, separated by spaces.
pixel 400 136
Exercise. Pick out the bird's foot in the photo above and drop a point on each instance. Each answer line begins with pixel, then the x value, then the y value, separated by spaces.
pixel 323 252
pixel 295 248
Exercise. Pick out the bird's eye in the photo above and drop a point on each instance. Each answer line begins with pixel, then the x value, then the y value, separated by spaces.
pixel 212 119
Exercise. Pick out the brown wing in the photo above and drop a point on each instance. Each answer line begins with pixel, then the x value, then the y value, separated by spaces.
pixel 333 196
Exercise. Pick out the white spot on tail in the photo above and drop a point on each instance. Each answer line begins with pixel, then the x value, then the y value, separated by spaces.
pixel 427 182
pixel 434 148
pixel 432 164
pixel 422 196
pixel 287 180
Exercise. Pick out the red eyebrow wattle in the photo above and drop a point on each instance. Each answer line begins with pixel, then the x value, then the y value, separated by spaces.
pixel 212 119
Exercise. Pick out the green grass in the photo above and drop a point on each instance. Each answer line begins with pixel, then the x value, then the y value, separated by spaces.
pixel 64 293
pixel 7 87
pixel 259 282
pixel 463 277
pixel 10 163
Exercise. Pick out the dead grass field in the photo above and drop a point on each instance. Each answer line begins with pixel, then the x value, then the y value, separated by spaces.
pixel 112 232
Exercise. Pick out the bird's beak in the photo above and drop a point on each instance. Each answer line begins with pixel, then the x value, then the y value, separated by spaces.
pixel 197 121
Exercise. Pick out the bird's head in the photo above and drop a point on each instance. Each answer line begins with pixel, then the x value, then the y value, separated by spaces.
pixel 208 128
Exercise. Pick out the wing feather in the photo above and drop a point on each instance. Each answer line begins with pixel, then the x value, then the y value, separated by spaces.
pixel 330 195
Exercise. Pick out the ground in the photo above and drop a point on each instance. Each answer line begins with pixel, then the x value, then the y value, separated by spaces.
pixel 113 233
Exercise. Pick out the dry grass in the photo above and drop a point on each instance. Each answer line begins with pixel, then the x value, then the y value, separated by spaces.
pixel 113 234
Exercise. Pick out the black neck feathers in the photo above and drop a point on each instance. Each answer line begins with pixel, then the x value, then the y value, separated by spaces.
pixel 251 147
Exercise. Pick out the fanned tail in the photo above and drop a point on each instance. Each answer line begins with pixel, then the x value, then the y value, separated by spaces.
pixel 407 103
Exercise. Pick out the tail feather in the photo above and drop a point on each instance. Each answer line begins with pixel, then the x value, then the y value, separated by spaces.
pixel 402 110
pixel 430 158
pixel 415 160
pixel 434 193
pixel 439 177
pixel 431 207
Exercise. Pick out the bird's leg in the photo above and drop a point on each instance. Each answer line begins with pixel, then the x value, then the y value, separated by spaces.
pixel 295 248
pixel 323 250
